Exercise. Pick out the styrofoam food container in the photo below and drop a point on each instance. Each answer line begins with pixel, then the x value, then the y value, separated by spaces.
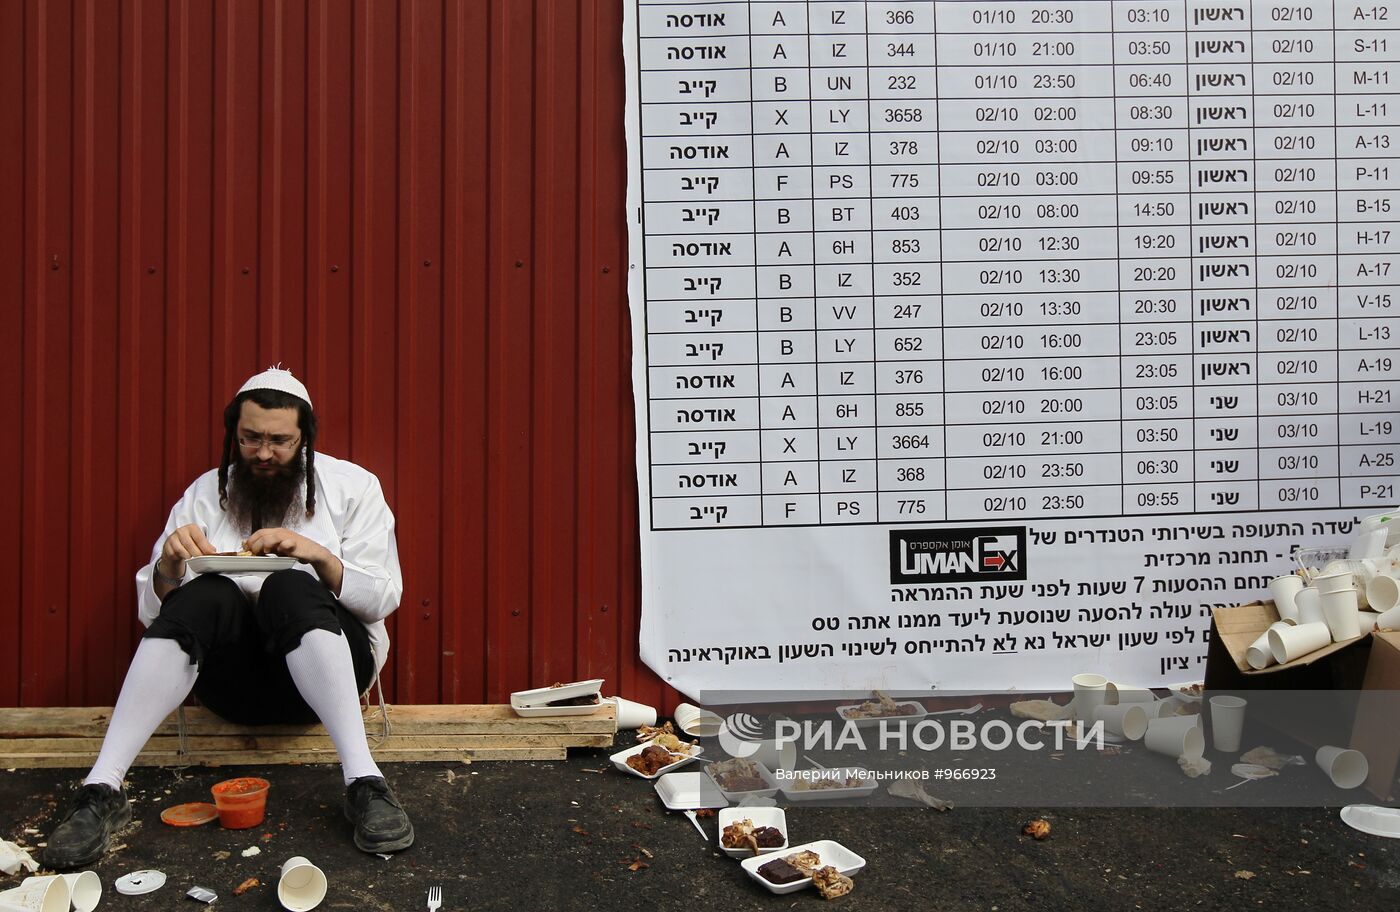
pixel 530 712
pixel 619 760
pixel 761 816
pixel 541 695
pixel 763 772
pixel 789 790
pixel 920 713
pixel 688 792
pixel 832 853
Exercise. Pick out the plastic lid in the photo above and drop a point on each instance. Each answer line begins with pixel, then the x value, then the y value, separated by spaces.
pixel 138 882
pixel 195 813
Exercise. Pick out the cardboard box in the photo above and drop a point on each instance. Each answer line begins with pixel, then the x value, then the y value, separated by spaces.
pixel 1362 676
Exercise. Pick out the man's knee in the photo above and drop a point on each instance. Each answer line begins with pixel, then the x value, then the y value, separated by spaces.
pixel 198 614
pixel 291 603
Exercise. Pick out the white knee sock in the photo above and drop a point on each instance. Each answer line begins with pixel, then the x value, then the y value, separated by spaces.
pixel 325 674
pixel 159 679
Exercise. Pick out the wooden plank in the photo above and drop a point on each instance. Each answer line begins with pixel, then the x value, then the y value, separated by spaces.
pixel 42 746
pixel 466 719
pixel 274 758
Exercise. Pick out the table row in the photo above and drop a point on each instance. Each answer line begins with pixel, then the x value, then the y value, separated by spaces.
pixel 999 503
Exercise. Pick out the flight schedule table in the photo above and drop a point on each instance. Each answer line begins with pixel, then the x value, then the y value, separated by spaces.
pixel 911 261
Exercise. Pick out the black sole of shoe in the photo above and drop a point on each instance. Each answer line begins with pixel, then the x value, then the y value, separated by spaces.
pixel 123 818
pixel 396 845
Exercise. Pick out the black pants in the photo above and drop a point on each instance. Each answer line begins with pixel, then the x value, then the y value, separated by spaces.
pixel 241 646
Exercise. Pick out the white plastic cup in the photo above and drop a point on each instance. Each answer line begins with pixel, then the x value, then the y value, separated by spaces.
pixel 1383 592
pixel 1339 608
pixel 1309 602
pixel 696 722
pixel 1390 620
pixel 776 755
pixel 84 890
pixel 1284 589
pixel 1090 692
pixel 1259 655
pixel 1126 719
pixel 302 885
pixel 48 893
pixel 1128 693
pixel 631 714
pixel 1288 643
pixel 1366 620
pixel 1226 722
pixel 1178 736
pixel 1346 768
pixel 1334 581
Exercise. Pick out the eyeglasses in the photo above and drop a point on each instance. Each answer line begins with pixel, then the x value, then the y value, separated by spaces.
pixel 275 444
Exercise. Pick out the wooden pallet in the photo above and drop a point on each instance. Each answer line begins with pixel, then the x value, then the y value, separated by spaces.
pixel 71 737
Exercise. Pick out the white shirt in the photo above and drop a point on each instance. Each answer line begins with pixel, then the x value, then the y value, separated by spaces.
pixel 352 521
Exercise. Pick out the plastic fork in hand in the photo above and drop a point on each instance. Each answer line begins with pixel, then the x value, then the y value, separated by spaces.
pixel 434 898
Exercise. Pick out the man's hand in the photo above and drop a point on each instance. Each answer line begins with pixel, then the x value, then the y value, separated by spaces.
pixel 289 544
pixel 286 543
pixel 184 543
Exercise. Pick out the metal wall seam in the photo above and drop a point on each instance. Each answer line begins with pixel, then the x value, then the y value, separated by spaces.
pixel 14 261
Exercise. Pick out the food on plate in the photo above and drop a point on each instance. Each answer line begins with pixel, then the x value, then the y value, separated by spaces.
pixel 585 700
pixel 882 707
pixel 1191 690
pixel 739 834
pixel 238 554
pixel 768 837
pixel 673 744
pixel 652 759
pixel 780 872
pixel 819 783
pixel 805 861
pixel 832 883
pixel 738 775
pixel 648 732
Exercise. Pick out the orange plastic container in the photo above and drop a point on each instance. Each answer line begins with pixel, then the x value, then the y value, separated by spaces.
pixel 242 803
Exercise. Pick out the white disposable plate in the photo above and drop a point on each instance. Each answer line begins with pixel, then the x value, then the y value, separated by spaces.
pixel 832 853
pixel 542 695
pixel 763 773
pixel 688 792
pixel 792 793
pixel 1252 771
pixel 219 563
pixel 761 817
pixel 1179 691
pixel 619 760
pixel 530 712
pixel 1373 819
pixel 893 720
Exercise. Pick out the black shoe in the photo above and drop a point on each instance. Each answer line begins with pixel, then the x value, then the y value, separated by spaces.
pixel 380 822
pixel 80 838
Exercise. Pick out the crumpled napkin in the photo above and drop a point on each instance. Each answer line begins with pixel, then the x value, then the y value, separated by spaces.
pixel 1193 766
pixel 1040 710
pixel 12 858
pixel 906 788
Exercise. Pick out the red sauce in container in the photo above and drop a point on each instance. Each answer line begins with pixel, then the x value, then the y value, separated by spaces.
pixel 242 803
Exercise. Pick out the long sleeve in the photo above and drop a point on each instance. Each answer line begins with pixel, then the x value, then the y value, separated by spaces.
pixel 187 510
pixel 372 583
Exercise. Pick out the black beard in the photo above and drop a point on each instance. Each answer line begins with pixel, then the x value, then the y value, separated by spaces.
pixel 265 501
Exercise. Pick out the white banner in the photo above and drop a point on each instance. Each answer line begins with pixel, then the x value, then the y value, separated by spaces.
pixel 982 343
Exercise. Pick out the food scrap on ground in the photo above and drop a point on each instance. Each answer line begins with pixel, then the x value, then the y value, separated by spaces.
pixel 1036 829
pixel 247 885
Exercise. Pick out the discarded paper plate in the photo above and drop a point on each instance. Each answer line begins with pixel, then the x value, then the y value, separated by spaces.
pixel 830 851
pixel 195 813
pixel 760 817
pixel 1370 818
pixel 1252 771
pixel 139 882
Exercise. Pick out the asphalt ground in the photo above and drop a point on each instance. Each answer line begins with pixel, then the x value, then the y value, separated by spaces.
pixel 578 834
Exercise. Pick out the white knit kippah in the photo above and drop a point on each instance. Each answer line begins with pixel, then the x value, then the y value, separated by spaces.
pixel 277 378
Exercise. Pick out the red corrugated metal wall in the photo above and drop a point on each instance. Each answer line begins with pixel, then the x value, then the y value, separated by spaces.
pixel 415 205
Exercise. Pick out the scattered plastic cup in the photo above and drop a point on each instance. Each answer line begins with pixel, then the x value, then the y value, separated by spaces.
pixel 1226 722
pixel 1284 590
pixel 1339 608
pixel 242 803
pixel 1090 692
pixel 1309 602
pixel 84 890
pixel 1259 655
pixel 1383 592
pixel 1126 719
pixel 631 714
pixel 302 885
pixel 1346 768
pixel 48 893
pixel 1179 736
pixel 1390 620
pixel 1128 693
pixel 1288 643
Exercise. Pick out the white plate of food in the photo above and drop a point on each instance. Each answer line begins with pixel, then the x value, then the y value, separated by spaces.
pixel 1188 693
pixel 739 778
pixel 872 713
pixel 240 563
pixel 647 753
pixel 802 860
pixel 829 784
pixel 582 709
pixel 556 694
pixel 758 822
pixel 688 792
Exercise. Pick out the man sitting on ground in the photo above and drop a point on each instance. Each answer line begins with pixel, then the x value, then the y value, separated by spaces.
pixel 293 646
